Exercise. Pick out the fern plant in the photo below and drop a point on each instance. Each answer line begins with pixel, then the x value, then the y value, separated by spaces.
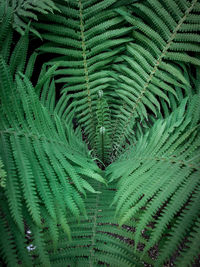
pixel 23 11
pixel 99 132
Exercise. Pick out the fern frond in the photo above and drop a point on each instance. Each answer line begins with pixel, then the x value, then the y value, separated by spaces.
pixel 2 175
pixel 193 248
pixel 13 189
pixel 27 10
pixel 30 65
pixel 40 166
pixel 160 172
pixel 19 54
pixel 96 239
pixel 84 44
pixel 114 80
pixel 5 30
pixel 148 64
pixel 179 231
pixel 7 241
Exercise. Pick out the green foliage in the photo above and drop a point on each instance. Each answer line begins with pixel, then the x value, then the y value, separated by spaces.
pixel 25 10
pixel 2 175
pixel 111 81
pixel 86 46
pixel 150 69
pixel 164 178
pixel 6 33
pixel 40 164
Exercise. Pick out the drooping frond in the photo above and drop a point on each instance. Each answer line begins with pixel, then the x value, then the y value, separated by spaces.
pixel 161 174
pixel 41 166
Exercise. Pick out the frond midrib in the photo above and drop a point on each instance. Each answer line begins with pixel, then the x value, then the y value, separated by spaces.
pixel 86 73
